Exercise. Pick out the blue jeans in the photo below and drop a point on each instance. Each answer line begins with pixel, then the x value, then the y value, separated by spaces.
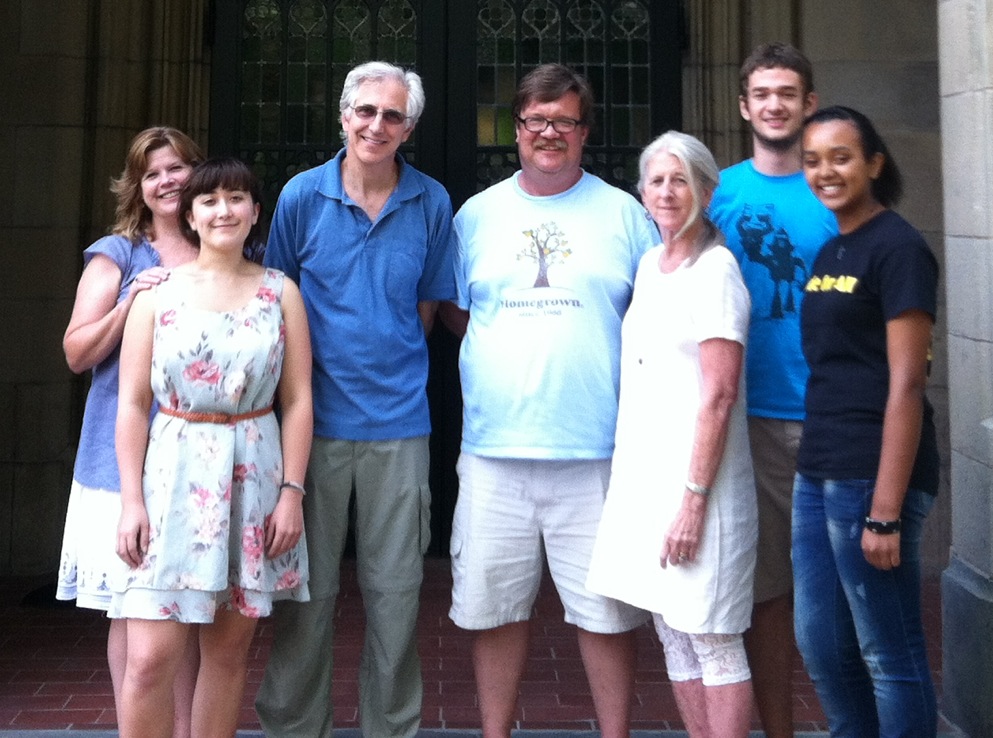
pixel 858 628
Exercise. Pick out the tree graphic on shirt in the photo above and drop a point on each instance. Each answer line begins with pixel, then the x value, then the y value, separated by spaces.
pixel 546 246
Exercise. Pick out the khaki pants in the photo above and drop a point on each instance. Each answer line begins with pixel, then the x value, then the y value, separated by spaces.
pixel 392 530
pixel 774 445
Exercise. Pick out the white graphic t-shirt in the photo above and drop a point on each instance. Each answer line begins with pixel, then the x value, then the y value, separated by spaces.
pixel 546 281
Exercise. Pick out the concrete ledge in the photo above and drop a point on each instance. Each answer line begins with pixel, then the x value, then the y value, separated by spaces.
pixel 967 648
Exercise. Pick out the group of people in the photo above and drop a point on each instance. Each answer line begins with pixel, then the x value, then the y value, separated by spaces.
pixel 615 427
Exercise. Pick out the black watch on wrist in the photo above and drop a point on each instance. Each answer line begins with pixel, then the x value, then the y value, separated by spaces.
pixel 882 527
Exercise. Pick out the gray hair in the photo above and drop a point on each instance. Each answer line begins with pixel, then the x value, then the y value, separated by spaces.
pixel 702 174
pixel 376 71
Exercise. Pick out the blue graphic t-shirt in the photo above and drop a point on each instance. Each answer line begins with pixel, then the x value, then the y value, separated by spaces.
pixel 775 227
pixel 546 281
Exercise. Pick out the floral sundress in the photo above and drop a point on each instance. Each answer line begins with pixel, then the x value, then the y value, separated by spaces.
pixel 209 486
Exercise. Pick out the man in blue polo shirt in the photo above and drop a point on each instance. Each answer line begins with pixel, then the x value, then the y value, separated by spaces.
pixel 366 236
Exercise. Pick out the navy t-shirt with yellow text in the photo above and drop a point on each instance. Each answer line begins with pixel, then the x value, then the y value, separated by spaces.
pixel 859 282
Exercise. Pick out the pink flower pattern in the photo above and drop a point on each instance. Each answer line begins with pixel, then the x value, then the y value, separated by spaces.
pixel 242 472
pixel 226 474
pixel 171 611
pixel 203 371
pixel 201 496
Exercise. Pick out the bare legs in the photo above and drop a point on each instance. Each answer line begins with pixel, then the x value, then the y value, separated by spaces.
pixel 146 706
pixel 221 680
pixel 185 681
pixel 770 655
pixel 609 662
pixel 117 654
pixel 714 712
pixel 500 656
pixel 157 649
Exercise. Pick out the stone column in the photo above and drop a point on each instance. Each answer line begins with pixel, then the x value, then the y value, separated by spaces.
pixel 81 78
pixel 150 68
pixel 43 53
pixel 966 87
pixel 721 34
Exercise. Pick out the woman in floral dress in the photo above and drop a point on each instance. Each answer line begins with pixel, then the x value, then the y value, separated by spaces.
pixel 211 523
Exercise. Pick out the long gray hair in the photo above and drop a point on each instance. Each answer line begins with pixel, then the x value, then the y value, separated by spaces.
pixel 702 175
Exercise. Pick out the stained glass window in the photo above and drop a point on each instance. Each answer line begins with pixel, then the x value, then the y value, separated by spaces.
pixel 608 42
pixel 294 58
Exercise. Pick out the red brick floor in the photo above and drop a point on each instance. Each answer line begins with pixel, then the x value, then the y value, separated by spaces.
pixel 53 671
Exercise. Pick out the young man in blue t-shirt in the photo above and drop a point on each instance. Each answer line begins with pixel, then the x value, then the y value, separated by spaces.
pixel 775 227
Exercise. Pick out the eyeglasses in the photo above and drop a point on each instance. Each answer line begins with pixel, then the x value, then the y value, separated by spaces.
pixel 369 112
pixel 537 124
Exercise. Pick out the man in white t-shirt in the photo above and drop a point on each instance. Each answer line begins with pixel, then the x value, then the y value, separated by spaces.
pixel 545 265
pixel 774 226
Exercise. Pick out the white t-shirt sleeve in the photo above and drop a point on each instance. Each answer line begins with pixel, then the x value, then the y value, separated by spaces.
pixel 720 305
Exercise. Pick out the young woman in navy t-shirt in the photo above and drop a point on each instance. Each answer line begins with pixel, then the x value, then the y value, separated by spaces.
pixel 867 470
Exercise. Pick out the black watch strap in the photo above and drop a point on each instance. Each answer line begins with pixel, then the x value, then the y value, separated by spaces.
pixel 882 527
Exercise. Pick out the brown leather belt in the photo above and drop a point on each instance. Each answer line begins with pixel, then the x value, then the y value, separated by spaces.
pixel 218 418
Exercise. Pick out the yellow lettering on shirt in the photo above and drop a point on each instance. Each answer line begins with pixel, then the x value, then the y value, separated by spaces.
pixel 829 283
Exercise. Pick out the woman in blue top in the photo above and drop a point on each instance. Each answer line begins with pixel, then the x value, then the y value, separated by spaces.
pixel 145 243
pixel 867 470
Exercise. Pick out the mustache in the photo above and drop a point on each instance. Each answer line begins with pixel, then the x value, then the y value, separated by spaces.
pixel 552 145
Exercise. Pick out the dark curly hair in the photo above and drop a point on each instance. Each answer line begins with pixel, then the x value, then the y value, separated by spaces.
pixel 777 55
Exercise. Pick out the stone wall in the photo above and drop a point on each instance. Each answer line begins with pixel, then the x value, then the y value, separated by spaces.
pixel 81 77
pixel 966 42
pixel 44 54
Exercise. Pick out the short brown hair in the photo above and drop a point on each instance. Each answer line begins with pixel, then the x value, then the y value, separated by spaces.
pixel 549 82
pixel 133 218
pixel 777 55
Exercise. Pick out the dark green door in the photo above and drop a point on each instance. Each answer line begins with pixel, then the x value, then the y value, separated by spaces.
pixel 277 67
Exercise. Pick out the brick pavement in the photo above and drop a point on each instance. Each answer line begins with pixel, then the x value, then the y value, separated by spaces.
pixel 53 671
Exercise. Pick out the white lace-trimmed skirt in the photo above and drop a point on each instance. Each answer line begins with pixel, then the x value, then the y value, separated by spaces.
pixel 89 558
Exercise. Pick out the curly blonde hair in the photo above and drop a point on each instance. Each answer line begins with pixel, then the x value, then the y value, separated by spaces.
pixel 133 218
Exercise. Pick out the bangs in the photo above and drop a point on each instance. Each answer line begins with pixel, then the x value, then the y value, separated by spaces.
pixel 221 174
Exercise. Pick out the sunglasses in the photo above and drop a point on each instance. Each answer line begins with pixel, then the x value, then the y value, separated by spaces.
pixel 369 112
